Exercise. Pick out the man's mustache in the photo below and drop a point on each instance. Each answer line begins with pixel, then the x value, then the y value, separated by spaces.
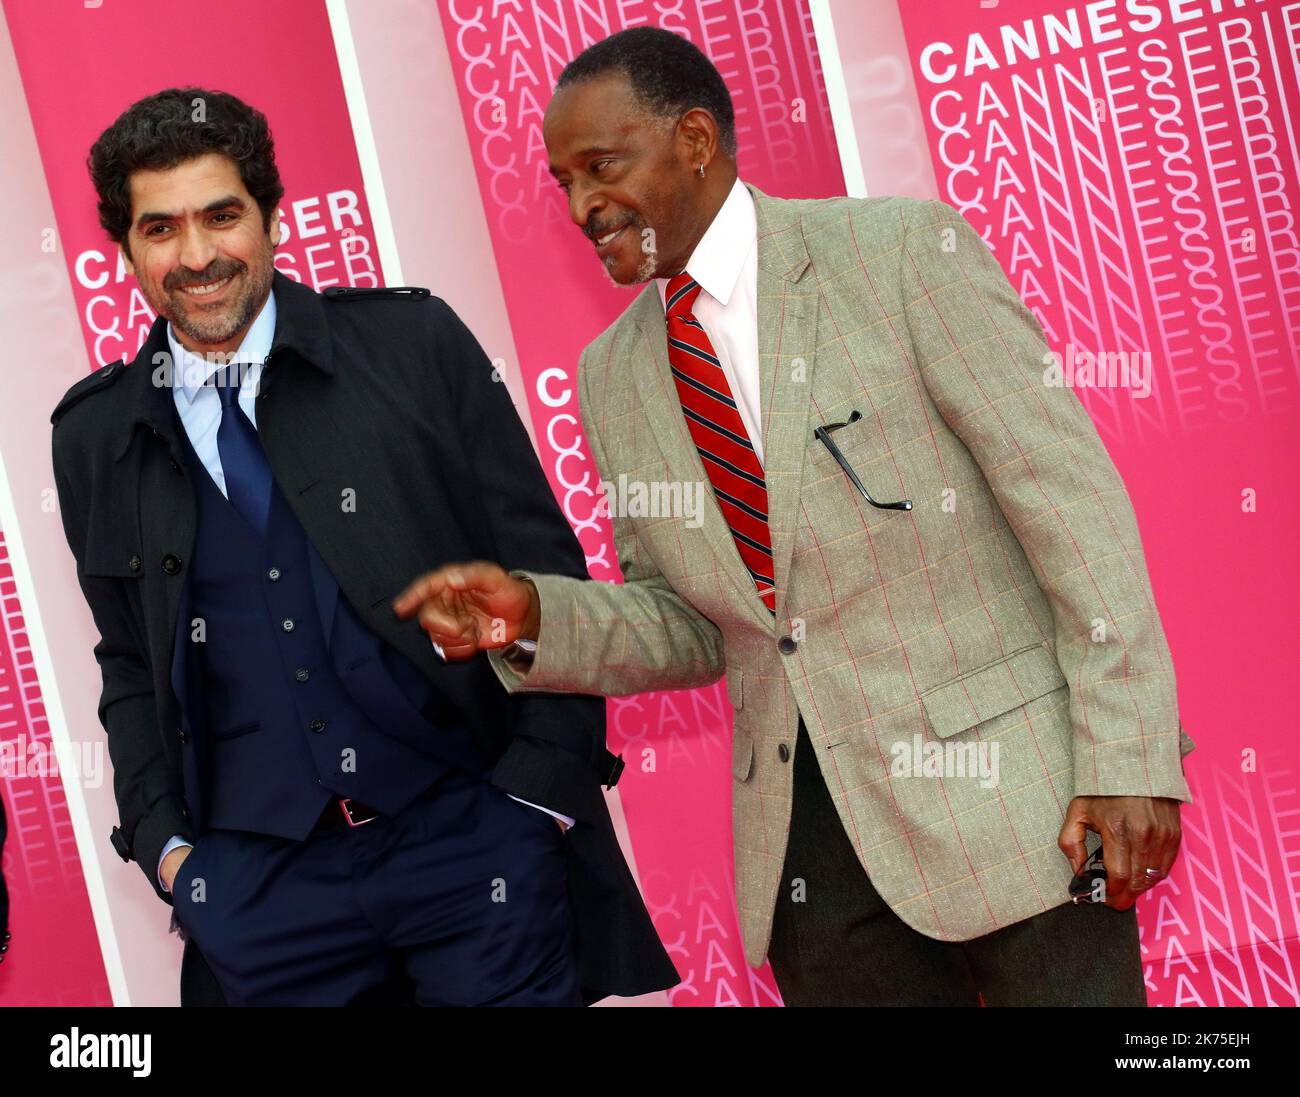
pixel 594 233
pixel 214 272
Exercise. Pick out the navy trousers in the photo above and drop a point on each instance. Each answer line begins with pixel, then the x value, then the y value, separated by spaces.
pixel 466 887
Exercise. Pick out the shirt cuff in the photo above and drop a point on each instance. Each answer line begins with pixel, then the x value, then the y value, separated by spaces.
pixel 174 842
pixel 565 819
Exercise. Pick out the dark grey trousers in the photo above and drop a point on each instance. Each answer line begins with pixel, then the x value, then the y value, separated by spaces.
pixel 843 946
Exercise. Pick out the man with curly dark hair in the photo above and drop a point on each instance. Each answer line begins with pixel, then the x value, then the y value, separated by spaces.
pixel 331 810
pixel 189 136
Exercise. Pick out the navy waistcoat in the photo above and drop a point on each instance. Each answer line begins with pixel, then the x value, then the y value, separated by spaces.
pixel 287 697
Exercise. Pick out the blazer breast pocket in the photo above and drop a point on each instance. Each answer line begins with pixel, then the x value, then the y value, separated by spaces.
pixel 885 432
pixel 871 415
pixel 881 447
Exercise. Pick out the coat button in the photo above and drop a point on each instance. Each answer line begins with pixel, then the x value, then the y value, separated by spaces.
pixel 783 752
pixel 317 725
pixel 302 674
pixel 134 563
pixel 786 645
pixel 287 624
pixel 273 575
pixel 171 564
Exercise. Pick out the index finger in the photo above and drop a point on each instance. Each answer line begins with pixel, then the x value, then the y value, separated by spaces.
pixel 429 585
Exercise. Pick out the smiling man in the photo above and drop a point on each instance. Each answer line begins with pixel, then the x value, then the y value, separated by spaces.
pixel 336 816
pixel 914 550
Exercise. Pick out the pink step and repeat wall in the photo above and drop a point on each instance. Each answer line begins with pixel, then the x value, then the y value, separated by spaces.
pixel 1134 166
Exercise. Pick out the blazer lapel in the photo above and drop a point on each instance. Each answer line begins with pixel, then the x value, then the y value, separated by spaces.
pixel 787 343
pixel 661 406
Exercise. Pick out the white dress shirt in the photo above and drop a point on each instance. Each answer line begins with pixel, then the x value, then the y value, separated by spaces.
pixel 725 264
pixel 199 407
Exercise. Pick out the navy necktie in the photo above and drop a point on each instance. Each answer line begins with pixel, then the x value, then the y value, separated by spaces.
pixel 243 461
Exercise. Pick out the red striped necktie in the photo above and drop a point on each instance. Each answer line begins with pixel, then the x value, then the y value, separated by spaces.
pixel 719 434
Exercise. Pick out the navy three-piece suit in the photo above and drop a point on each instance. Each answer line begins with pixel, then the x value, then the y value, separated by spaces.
pixel 255 676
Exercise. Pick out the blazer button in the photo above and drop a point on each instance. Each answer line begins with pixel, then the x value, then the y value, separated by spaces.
pixel 783 752
pixel 273 574
pixel 287 624
pixel 786 645
pixel 317 725
pixel 171 564
pixel 134 563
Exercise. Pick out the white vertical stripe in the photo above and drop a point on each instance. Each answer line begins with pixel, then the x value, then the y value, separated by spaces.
pixel 65 751
pixel 837 92
pixel 385 239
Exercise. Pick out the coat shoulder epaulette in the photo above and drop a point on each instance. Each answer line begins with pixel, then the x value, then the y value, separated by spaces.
pixel 102 378
pixel 357 293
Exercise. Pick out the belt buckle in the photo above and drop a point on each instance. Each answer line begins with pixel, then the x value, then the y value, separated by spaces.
pixel 347 814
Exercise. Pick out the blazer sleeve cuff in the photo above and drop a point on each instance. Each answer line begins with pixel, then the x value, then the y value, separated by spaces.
pixel 547 670
pixel 1150 766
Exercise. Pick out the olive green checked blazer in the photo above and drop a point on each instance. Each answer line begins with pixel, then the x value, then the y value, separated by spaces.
pixel 1011 605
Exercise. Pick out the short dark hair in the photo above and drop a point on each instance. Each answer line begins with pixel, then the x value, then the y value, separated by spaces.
pixel 668 75
pixel 161 131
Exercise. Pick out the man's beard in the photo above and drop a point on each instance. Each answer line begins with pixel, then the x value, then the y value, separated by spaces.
pixel 219 328
pixel 645 269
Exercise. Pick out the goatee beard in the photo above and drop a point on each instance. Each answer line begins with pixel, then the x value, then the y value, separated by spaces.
pixel 199 329
pixel 645 269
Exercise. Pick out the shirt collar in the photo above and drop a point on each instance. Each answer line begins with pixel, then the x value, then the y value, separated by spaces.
pixel 193 370
pixel 719 257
